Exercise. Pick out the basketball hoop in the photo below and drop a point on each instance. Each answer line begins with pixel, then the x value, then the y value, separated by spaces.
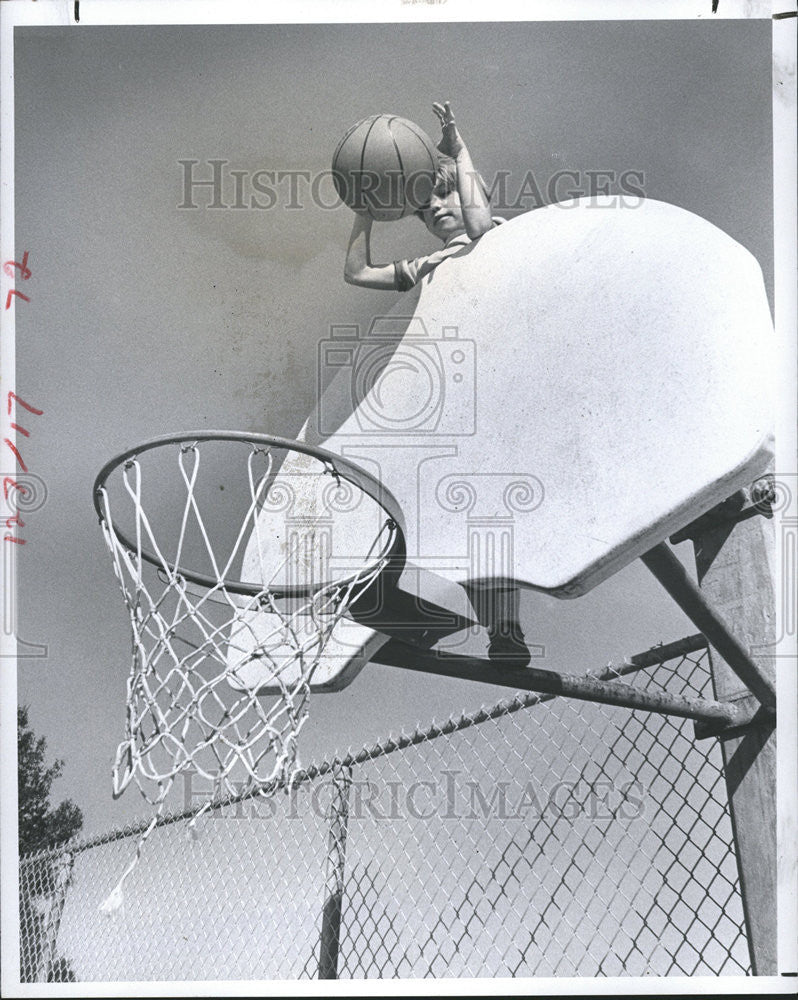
pixel 191 705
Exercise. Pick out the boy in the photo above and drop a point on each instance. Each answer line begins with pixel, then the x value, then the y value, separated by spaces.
pixel 458 213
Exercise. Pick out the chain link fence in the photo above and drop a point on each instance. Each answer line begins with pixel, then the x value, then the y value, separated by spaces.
pixel 539 837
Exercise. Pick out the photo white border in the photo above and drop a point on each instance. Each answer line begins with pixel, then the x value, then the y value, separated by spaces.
pixel 15 13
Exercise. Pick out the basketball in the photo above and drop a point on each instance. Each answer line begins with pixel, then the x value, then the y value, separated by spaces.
pixel 385 167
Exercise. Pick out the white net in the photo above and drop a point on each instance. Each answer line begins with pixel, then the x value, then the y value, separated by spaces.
pixel 202 651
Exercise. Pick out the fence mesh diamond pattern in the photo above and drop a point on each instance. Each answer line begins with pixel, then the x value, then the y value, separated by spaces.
pixel 539 837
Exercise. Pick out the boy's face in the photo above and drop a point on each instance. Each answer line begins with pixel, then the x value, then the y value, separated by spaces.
pixel 444 214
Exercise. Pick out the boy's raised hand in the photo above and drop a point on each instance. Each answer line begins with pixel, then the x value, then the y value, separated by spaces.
pixel 451 144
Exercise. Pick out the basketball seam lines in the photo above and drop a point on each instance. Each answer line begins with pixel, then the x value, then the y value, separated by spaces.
pixel 409 126
pixel 365 143
pixel 353 129
pixel 399 158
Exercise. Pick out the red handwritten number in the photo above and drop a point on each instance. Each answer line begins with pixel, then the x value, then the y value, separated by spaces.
pixel 10 267
pixel 16 519
pixel 25 272
pixel 21 487
pixel 28 407
pixel 11 292
pixel 16 455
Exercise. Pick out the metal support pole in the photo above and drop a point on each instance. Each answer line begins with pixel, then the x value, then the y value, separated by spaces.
pixel 52 919
pixel 338 817
pixel 672 575
pixel 606 692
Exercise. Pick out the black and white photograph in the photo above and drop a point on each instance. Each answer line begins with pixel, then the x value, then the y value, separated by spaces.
pixel 400 498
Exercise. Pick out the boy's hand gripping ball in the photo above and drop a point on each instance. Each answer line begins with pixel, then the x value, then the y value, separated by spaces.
pixel 385 167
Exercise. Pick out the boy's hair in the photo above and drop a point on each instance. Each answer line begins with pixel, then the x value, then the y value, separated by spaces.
pixel 446 181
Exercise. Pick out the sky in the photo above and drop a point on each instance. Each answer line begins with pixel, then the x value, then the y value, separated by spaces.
pixel 147 318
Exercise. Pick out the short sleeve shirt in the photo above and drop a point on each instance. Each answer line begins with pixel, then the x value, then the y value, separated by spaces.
pixel 410 272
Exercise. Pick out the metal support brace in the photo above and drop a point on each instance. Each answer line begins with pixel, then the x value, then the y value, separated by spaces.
pixel 755 714
pixel 672 575
pixel 753 501
pixel 604 691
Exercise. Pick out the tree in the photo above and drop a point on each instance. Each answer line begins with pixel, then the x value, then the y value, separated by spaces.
pixel 40 826
pixel 44 880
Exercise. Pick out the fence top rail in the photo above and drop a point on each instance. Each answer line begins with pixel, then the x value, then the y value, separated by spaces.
pixel 655 656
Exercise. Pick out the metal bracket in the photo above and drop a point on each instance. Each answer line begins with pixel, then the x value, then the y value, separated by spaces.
pixel 670 572
pixel 604 689
pixel 753 500
pixel 750 714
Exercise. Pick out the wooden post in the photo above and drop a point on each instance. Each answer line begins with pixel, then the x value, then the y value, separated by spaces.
pixel 52 916
pixel 338 817
pixel 735 565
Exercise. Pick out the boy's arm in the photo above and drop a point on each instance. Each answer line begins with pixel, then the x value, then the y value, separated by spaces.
pixel 476 210
pixel 358 269
pixel 473 199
